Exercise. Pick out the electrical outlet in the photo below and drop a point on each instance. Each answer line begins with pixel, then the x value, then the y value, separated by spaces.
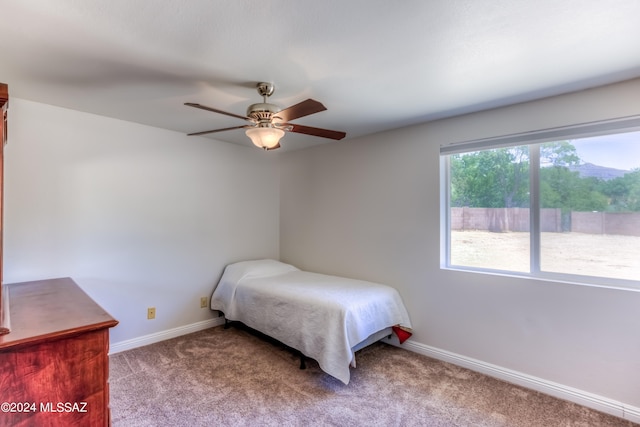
pixel 204 302
pixel 151 313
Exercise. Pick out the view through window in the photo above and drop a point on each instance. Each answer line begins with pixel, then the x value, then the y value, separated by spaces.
pixel 582 194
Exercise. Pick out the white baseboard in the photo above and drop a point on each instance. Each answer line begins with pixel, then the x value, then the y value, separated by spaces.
pixel 560 391
pixel 632 414
pixel 164 335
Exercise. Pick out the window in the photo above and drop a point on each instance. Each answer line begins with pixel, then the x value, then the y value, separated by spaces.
pixel 561 203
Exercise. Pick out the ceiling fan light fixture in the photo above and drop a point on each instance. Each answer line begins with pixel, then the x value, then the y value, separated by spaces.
pixel 269 122
pixel 265 137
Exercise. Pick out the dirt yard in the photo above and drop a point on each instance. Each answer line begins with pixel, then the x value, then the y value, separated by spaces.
pixel 576 253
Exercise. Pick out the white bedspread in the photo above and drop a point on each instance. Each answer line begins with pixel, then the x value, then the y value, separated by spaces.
pixel 322 316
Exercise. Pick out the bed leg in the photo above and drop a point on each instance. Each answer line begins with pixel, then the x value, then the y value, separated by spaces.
pixel 303 361
pixel 226 324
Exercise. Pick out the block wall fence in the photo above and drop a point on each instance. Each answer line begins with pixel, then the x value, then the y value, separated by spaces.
pixel 551 220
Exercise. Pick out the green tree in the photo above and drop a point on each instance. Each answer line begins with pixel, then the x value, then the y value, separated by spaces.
pixel 558 153
pixel 490 178
pixel 623 193
pixel 564 189
pixel 559 186
pixel 499 177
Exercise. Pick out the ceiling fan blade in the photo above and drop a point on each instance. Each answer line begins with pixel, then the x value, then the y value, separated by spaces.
pixel 301 109
pixel 203 107
pixel 218 130
pixel 322 133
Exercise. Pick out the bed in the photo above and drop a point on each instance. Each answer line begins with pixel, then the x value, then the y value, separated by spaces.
pixel 326 318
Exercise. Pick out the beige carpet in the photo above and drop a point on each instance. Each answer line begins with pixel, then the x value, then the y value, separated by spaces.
pixel 230 377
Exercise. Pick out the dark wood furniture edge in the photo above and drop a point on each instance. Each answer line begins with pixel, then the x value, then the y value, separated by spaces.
pixel 57 335
pixel 5 324
pixel 74 329
pixel 4 92
pixel 5 318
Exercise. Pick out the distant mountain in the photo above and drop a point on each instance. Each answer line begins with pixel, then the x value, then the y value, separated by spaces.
pixel 588 170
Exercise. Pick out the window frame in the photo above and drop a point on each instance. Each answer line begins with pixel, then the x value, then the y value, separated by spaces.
pixel 533 139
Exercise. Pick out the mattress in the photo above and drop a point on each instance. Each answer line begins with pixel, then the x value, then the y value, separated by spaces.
pixel 324 317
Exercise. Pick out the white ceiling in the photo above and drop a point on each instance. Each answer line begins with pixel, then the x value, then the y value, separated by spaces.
pixel 375 64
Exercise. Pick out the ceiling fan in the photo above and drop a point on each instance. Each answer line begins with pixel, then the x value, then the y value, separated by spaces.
pixel 269 123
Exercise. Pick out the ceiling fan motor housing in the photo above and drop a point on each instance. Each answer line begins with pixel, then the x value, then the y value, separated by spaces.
pixel 262 111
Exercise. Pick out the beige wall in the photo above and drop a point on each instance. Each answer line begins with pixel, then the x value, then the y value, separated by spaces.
pixel 138 216
pixel 370 208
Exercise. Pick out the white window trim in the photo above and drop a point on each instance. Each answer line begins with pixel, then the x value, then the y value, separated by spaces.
pixel 583 130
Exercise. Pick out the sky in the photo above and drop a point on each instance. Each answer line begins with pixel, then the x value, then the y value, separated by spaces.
pixel 621 151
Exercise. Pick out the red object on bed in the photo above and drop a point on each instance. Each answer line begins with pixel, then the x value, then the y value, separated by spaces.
pixel 402 334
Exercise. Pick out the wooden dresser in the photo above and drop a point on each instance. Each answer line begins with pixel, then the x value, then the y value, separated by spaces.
pixel 54 364
pixel 4 106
